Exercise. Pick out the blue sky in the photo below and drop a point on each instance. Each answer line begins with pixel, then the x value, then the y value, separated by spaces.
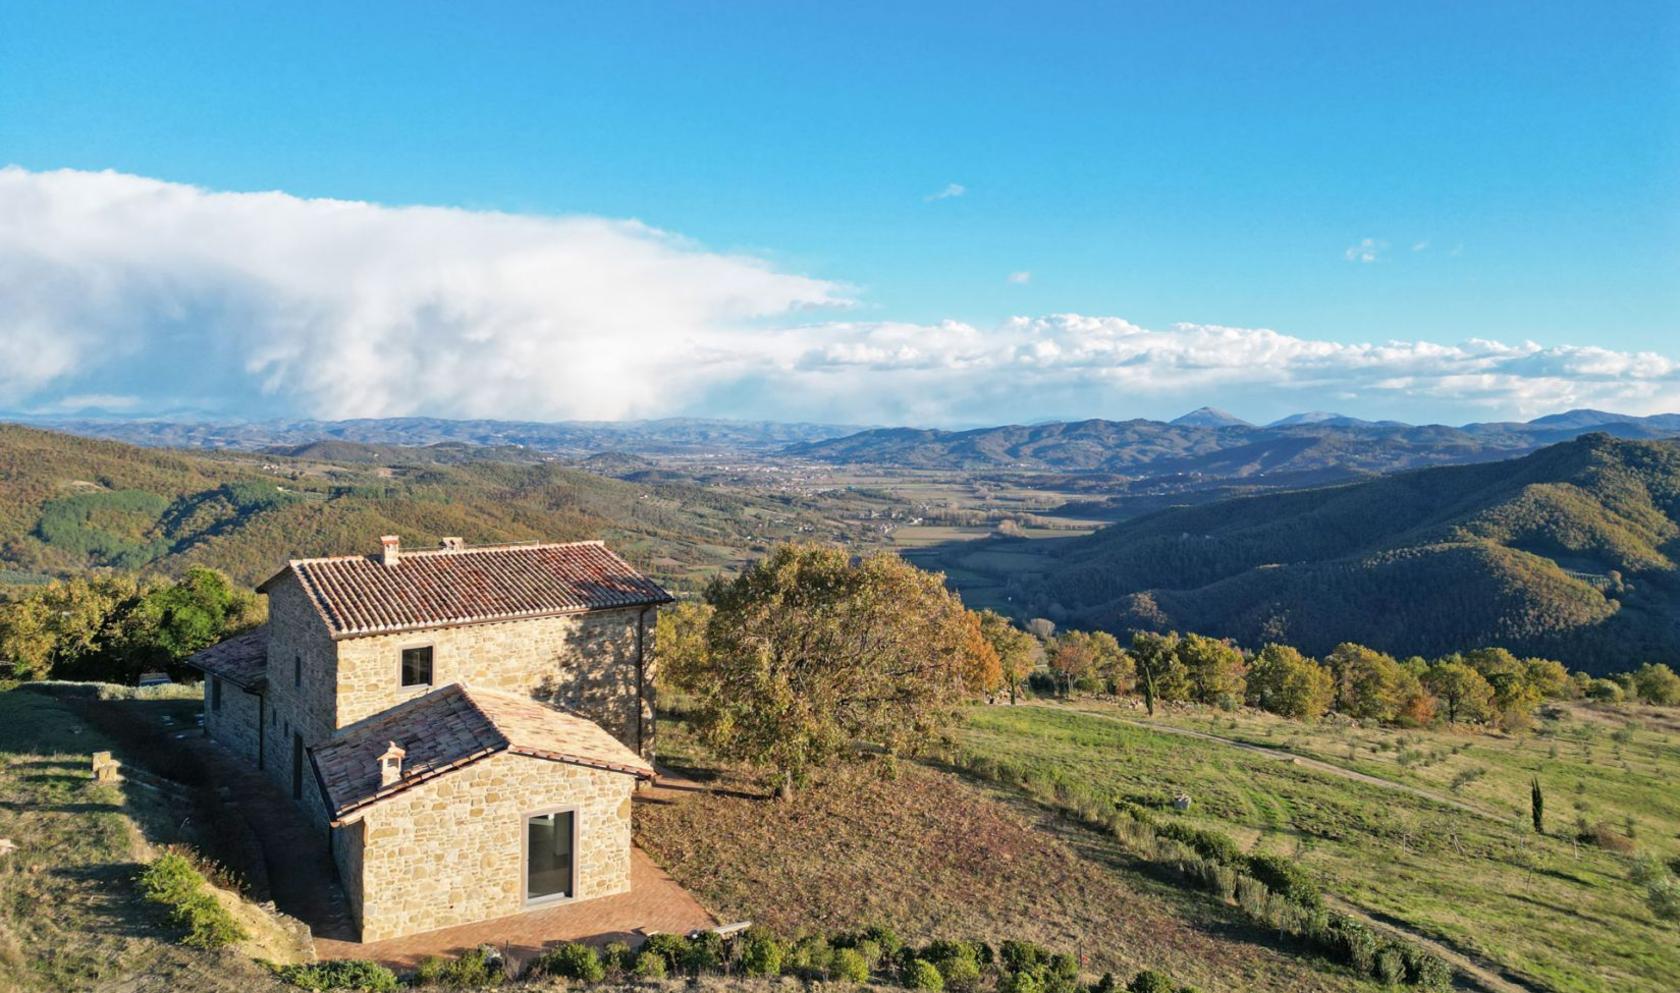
pixel 1343 175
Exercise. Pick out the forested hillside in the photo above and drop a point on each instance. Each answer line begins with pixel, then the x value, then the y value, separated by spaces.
pixel 1212 444
pixel 1569 552
pixel 70 504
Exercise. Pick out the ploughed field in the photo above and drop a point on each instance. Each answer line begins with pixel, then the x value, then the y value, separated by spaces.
pixel 1460 863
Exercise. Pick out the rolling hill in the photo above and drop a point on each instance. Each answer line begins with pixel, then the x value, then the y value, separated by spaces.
pixel 1570 552
pixel 70 504
pixel 1209 443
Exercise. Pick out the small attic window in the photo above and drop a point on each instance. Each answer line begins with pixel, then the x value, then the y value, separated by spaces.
pixel 417 666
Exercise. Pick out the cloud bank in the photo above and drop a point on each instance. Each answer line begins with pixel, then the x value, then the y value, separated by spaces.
pixel 137 295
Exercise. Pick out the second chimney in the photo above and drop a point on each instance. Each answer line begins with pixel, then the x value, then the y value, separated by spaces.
pixel 390 765
pixel 393 548
pixel 453 544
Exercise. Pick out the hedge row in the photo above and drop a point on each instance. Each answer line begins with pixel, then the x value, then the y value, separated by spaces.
pixel 874 955
pixel 1269 890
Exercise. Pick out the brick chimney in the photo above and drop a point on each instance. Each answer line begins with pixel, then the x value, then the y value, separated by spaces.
pixel 453 544
pixel 390 765
pixel 393 548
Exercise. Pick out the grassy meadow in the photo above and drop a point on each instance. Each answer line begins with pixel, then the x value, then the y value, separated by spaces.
pixel 934 854
pixel 71 917
pixel 1548 912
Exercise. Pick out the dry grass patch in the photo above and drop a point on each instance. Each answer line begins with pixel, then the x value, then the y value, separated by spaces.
pixel 933 855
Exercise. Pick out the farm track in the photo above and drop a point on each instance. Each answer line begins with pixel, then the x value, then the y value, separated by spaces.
pixel 1485 974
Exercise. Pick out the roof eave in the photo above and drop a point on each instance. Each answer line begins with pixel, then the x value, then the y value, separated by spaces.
pixel 338 634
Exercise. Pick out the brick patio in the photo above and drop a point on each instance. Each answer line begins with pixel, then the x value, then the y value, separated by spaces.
pixel 305 884
pixel 655 903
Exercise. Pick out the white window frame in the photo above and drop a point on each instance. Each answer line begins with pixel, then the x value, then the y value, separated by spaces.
pixel 525 897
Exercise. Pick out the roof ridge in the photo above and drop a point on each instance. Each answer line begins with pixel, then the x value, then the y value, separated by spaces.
pixel 467 695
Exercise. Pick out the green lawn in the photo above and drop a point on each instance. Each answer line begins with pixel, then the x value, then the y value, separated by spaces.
pixel 1615 765
pixel 1559 915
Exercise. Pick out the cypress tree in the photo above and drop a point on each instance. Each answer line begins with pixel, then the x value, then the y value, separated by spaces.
pixel 1537 806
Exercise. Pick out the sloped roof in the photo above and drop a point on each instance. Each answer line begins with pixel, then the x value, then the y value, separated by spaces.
pixel 452 727
pixel 241 660
pixel 360 595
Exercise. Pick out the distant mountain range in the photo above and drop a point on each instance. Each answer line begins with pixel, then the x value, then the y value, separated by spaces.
pixel 1314 447
pixel 1570 552
pixel 677 435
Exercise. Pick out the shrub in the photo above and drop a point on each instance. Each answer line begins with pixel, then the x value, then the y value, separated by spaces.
pixel 1608 838
pixel 171 881
pixel 1150 981
pixel 703 953
pixel 849 965
pixel 1663 897
pixel 358 975
pixel 671 948
pixel 810 958
pixel 1390 966
pixel 617 958
pixel 474 970
pixel 650 965
pixel 1020 982
pixel 1023 956
pixel 883 937
pixel 761 953
pixel 1208 844
pixel 1287 879
pixel 1426 970
pixel 923 975
pixel 571 961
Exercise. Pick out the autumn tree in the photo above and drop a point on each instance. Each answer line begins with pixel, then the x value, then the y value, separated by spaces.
pixel 679 644
pixel 1071 659
pixel 1214 667
pixel 1017 651
pixel 807 653
pixel 1369 684
pixel 1285 682
pixel 1160 673
pixel 1464 692
pixel 1657 683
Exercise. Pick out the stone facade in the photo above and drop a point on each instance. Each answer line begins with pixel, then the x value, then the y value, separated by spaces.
pixel 451 850
pixel 591 664
pixel 237 721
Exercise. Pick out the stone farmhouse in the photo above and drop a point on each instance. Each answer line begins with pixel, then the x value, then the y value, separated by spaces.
pixel 466 724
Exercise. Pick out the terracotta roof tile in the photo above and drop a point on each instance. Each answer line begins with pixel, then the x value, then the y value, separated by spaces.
pixel 454 726
pixel 358 595
pixel 241 660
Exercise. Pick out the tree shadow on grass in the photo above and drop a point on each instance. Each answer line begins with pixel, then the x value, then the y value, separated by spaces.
pixel 107 894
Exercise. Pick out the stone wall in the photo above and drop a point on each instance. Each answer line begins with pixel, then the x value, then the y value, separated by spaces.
pixel 303 706
pixel 587 663
pixel 451 851
pixel 237 723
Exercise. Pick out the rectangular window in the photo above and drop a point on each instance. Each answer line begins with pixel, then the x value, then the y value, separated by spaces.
pixel 550 840
pixel 215 693
pixel 297 670
pixel 417 666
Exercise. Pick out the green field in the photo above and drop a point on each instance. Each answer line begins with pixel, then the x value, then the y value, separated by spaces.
pixel 1548 911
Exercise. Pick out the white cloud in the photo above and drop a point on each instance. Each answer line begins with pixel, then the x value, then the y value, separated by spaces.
pixel 950 190
pixel 350 309
pixel 114 287
pixel 1420 246
pixel 1366 250
pixel 1021 278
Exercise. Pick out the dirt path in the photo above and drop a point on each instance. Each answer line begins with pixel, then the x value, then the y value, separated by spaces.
pixel 1480 972
pixel 1317 765
pixel 1483 973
